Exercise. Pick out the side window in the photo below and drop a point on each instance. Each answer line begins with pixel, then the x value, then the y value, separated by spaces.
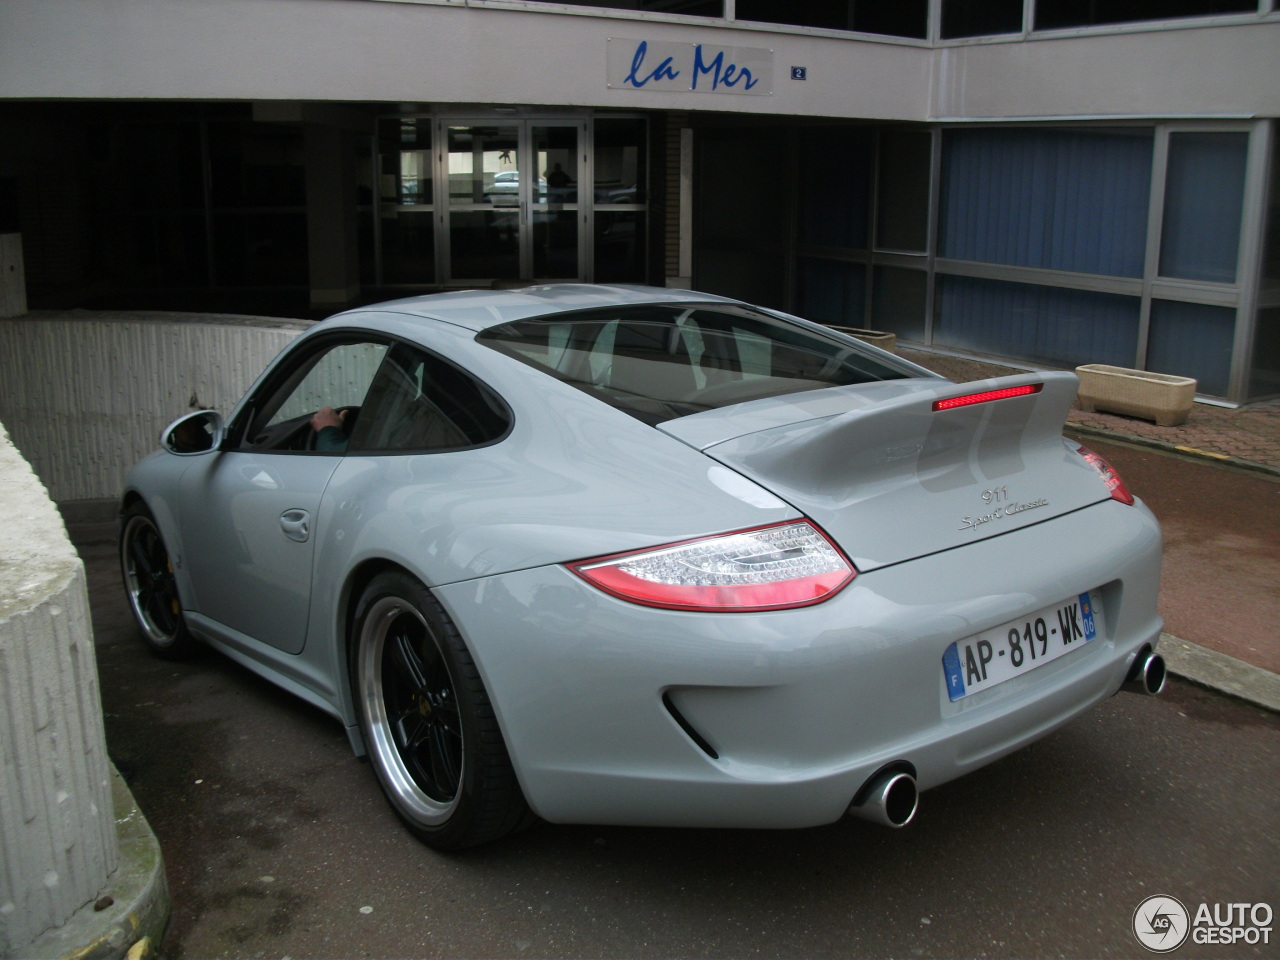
pixel 419 403
pixel 337 376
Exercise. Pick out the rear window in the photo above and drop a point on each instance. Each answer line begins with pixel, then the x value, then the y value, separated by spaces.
pixel 659 362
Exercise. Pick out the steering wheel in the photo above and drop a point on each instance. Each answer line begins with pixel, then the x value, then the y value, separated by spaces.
pixel 352 411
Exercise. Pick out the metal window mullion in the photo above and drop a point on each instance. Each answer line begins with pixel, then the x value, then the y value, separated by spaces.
pixel 587 200
pixel 1028 17
pixel 1249 265
pixel 931 242
pixel 1155 225
pixel 440 200
pixel 377 205
pixel 873 238
pixel 933 25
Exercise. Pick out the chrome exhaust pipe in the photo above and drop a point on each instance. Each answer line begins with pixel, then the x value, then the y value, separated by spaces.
pixel 1147 675
pixel 890 799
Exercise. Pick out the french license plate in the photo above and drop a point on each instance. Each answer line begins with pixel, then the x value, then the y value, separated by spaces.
pixel 993 656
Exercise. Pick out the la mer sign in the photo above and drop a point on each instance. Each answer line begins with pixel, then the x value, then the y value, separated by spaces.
pixel 689 67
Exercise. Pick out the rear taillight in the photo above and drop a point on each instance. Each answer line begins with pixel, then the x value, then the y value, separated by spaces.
pixel 785 565
pixel 1109 476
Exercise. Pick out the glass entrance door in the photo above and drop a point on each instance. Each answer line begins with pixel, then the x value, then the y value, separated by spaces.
pixel 513 209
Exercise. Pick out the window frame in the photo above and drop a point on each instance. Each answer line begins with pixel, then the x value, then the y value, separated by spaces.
pixel 284 374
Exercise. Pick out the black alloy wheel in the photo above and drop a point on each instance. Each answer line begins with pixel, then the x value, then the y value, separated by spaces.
pixel 427 721
pixel 151 586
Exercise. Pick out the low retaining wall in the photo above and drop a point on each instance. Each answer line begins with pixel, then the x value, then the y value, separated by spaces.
pixel 85 394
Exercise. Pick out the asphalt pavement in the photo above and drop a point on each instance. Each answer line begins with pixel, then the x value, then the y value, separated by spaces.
pixel 279 844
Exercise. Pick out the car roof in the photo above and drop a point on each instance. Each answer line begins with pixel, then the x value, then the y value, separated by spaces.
pixel 480 309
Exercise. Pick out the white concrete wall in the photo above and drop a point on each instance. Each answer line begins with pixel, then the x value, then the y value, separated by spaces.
pixel 57 832
pixel 1222 71
pixel 85 395
pixel 413 52
pixel 442 53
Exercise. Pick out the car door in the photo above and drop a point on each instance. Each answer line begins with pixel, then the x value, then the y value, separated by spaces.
pixel 249 512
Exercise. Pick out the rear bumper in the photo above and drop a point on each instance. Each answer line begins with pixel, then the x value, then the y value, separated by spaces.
pixel 799 707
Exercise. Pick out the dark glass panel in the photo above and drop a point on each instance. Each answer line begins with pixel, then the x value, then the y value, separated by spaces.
pixel 834 186
pixel 831 292
pixel 408 247
pixel 1203 206
pixel 620 244
pixel 1055 14
pixel 898 18
pixel 1192 340
pixel 256 165
pixel 980 18
pixel 1042 324
pixel 902 216
pixel 620 160
pixel 260 249
pixel 898 302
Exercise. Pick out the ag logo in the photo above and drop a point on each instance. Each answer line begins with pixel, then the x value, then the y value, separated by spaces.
pixel 1161 924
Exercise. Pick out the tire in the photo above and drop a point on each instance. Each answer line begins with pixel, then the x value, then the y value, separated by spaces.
pixel 150 586
pixel 429 727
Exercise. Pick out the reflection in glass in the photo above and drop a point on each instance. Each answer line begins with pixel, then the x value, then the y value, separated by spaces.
pixel 620 169
pixel 484 166
pixel 404 147
pixel 556 150
pixel 898 302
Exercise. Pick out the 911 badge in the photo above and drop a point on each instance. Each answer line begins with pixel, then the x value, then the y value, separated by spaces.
pixel 1002 505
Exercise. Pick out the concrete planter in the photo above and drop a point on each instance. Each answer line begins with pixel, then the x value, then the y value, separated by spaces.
pixel 1160 397
pixel 877 338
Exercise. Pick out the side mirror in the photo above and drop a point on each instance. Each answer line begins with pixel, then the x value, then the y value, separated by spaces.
pixel 195 433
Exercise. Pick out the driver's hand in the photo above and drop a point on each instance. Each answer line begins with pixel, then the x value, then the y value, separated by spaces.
pixel 328 417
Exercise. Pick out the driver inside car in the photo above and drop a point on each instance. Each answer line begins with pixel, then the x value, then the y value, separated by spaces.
pixel 330 428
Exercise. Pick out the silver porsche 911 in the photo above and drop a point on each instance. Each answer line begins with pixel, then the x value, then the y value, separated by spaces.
pixel 640 556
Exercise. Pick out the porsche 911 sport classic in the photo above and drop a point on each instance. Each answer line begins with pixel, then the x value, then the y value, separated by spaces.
pixel 640 556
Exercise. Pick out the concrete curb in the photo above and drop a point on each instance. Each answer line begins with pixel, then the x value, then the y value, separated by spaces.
pixel 1216 459
pixel 136 899
pixel 1222 673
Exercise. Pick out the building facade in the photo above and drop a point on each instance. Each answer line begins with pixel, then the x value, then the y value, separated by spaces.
pixel 1052 181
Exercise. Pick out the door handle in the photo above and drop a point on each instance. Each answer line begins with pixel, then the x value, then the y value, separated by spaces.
pixel 296 524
